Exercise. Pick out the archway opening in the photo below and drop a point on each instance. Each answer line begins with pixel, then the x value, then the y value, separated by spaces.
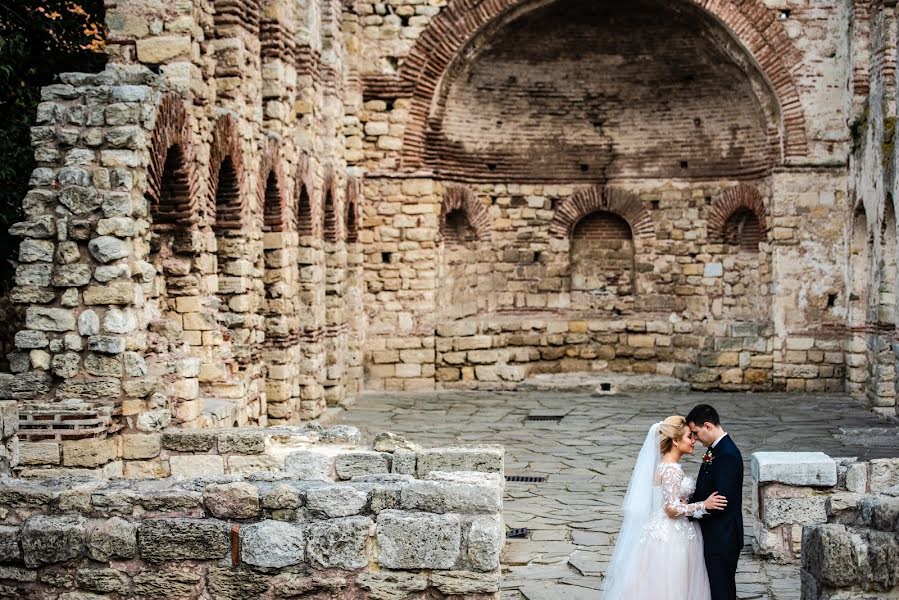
pixel 602 255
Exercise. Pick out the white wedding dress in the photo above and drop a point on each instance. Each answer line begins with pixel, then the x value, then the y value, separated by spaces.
pixel 658 557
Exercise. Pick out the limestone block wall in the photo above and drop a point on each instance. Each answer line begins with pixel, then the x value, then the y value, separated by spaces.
pixel 702 307
pixel 437 530
pixel 795 492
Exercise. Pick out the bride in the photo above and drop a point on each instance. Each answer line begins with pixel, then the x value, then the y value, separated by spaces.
pixel 658 554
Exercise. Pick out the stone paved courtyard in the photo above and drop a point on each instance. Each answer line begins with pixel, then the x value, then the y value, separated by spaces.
pixel 587 458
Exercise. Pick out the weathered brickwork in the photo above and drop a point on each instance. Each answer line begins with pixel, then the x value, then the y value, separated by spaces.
pixel 260 208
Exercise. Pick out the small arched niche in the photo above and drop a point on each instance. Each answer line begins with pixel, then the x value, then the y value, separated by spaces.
pixel 602 255
pixel 742 232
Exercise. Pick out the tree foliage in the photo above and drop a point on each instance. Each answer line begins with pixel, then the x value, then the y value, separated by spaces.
pixel 38 40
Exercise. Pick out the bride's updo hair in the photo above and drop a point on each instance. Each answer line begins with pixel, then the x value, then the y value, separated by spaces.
pixel 673 428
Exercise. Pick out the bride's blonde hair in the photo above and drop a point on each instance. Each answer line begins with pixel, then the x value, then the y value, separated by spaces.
pixel 673 428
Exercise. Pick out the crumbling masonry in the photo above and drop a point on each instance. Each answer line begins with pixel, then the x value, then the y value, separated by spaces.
pixel 263 206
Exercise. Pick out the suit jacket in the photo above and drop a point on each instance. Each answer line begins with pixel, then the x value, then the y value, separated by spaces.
pixel 722 530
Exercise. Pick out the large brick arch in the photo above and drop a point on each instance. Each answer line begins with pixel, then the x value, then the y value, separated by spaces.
pixel 273 207
pixel 170 142
pixel 448 34
pixel 730 201
pixel 589 200
pixel 460 197
pixel 226 146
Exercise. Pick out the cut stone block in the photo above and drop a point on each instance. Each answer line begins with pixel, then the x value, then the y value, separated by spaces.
pixel 814 469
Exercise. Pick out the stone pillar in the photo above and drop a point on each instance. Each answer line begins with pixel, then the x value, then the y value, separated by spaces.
pixel 789 490
pixel 81 275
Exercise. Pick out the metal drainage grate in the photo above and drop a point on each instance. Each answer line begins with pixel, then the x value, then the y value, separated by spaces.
pixel 525 478
pixel 555 418
pixel 520 533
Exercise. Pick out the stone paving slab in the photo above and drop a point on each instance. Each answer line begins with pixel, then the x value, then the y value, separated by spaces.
pixel 587 458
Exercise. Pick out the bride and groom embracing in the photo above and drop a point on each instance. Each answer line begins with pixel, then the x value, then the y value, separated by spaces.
pixel 681 538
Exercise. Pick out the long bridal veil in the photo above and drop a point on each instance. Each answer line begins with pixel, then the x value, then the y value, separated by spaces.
pixel 637 510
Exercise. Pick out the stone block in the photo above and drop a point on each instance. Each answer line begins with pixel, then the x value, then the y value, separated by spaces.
pixel 188 441
pixel 50 539
pixel 40 318
pixel 857 478
pixel 172 583
pixel 829 555
pixel 452 496
pixel 411 540
pixel 9 544
pixel 162 48
pixel 183 539
pixel 89 453
pixel 39 453
pixel 713 270
pixel 196 466
pixel 487 459
pixel 237 500
pixel 463 583
pixel 804 510
pixel 486 538
pixel 338 543
pixel 404 462
pixel 114 538
pixel 884 474
pixel 309 465
pixel 391 584
pixel 103 580
pixel 241 442
pixel 353 464
pixel 272 544
pixel 336 500
pixel 794 468
pixel 114 292
pixel 141 445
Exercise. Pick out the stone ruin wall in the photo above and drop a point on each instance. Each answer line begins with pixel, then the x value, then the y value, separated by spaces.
pixel 282 512
pixel 486 259
pixel 190 251
pixel 838 518
pixel 260 208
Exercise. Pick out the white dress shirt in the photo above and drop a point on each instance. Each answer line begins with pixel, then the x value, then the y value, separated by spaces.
pixel 715 443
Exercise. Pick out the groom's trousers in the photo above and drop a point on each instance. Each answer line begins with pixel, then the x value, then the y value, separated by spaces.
pixel 722 570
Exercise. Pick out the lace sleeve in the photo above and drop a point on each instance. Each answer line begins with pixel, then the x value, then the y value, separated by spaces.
pixel 675 507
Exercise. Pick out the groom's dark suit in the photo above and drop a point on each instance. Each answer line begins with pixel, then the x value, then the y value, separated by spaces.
pixel 722 530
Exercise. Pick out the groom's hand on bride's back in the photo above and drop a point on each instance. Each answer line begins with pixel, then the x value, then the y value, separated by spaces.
pixel 715 502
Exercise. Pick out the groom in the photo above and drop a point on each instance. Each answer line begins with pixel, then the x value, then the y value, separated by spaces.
pixel 722 472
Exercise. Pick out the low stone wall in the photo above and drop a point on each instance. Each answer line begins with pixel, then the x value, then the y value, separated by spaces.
pixel 311 451
pixel 792 490
pixel 328 520
pixel 499 352
pixel 854 555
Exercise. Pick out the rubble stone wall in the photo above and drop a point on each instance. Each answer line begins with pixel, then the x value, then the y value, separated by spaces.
pixel 796 491
pixel 854 555
pixel 277 513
